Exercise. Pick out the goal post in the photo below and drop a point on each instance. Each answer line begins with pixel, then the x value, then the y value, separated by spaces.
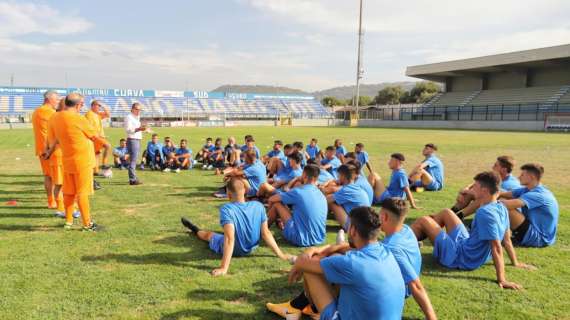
pixel 559 121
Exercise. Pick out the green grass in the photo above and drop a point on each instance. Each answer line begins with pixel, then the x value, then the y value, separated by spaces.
pixel 143 265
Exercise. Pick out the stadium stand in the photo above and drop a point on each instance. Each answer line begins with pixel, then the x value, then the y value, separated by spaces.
pixel 184 105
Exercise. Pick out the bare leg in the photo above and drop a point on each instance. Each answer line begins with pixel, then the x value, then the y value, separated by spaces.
pixel 448 219
pixel 278 210
pixel 377 184
pixel 339 213
pixel 516 218
pixel 205 235
pixel 318 290
pixel 426 227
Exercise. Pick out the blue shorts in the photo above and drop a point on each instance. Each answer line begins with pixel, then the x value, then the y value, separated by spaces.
pixel 291 233
pixel 445 246
pixel 433 186
pixel 216 243
pixel 385 195
pixel 330 312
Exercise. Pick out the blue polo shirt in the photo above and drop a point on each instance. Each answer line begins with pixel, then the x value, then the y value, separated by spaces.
pixel 436 170
pixel 335 164
pixel 247 218
pixel 404 246
pixel 307 226
pixel 313 151
pixel 510 183
pixel 542 211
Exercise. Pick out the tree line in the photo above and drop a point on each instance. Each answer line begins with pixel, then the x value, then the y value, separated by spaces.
pixel 420 93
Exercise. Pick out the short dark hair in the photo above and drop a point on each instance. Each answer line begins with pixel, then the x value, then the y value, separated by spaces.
pixel 298 144
pixel 183 140
pixel 396 207
pixel 431 145
pixel 278 142
pixel 209 139
pixel 122 139
pixel 311 161
pixel 312 171
pixel 360 145
pixel 154 135
pixel 314 139
pixel 250 155
pixel 355 163
pixel 348 171
pixel 350 155
pixel 166 138
pixel 398 156
pixel 73 99
pixel 506 162
pixel 489 180
pixel 366 222
pixel 250 139
pixel 535 169
pixel 297 156
pixel 330 148
pixel 218 139
pixel 248 136
pixel 287 146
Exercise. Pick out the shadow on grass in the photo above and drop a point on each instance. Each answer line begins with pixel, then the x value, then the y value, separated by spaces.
pixel 179 259
pixel 23 183
pixel 25 215
pixel 207 314
pixel 21 176
pixel 27 227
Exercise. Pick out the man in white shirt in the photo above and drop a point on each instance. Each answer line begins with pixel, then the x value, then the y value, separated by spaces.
pixel 134 131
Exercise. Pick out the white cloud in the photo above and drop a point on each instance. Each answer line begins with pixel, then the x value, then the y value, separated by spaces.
pixel 24 18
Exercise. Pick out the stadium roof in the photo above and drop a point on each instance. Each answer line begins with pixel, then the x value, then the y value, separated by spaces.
pixel 542 57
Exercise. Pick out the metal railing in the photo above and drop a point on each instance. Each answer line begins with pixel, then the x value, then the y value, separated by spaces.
pixel 504 112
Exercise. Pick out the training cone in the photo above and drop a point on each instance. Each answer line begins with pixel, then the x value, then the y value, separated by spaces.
pixel 11 203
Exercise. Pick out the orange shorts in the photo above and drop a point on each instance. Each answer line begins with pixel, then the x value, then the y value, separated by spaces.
pixel 78 183
pixel 98 146
pixel 56 174
pixel 45 166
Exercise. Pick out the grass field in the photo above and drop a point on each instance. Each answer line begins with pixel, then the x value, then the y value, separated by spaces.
pixel 144 266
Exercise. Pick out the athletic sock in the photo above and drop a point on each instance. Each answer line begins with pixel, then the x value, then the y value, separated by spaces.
pixel 300 302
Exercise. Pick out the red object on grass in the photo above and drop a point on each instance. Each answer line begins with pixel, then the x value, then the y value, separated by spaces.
pixel 12 203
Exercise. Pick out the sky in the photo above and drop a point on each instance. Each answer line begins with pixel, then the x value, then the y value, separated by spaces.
pixel 304 44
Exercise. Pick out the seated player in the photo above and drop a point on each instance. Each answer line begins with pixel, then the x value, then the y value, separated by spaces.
pixel 299 147
pixel 250 145
pixel 362 156
pixel 429 174
pixel 121 155
pixel 203 155
pixel 370 285
pixel 313 150
pixel 283 177
pixel 333 186
pixel 232 152
pixel 252 174
pixel 217 157
pixel 323 180
pixel 244 223
pixel 399 186
pixel 340 150
pixel 349 196
pixel 169 152
pixel 465 204
pixel 306 225
pixel 276 152
pixel 154 155
pixel 182 157
pixel 330 162
pixel 456 248
pixel 533 209
pixel 401 242
pixel 277 164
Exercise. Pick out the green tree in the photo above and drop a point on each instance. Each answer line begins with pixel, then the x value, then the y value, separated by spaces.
pixel 389 95
pixel 331 102
pixel 362 101
pixel 423 91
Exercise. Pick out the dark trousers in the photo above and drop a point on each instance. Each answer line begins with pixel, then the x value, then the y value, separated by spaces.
pixel 133 147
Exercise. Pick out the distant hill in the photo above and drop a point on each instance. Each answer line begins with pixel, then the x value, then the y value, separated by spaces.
pixel 344 92
pixel 371 90
pixel 257 89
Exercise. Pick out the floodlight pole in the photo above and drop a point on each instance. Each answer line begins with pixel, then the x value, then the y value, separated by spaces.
pixel 359 70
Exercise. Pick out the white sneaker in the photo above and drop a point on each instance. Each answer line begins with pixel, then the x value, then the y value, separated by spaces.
pixel 177 170
pixel 340 237
pixel 166 170
pixel 194 162
pixel 76 214
pixel 60 214
pixel 210 167
pixel 204 167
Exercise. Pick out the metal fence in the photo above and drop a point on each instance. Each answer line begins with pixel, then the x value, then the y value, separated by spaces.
pixel 520 112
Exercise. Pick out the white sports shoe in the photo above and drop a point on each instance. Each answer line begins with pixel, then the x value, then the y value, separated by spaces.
pixel 204 167
pixel 210 167
pixel 177 170
pixel 60 214
pixel 166 170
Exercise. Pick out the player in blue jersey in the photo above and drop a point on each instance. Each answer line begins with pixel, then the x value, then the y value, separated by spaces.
pixel 370 284
pixel 398 186
pixel 313 150
pixel 244 224
pixel 153 154
pixel 252 173
pixel 284 176
pixel 340 150
pixel 465 204
pixel 348 197
pixel 331 162
pixel 305 224
pixel 276 152
pixel 121 155
pixel 169 150
pixel 203 155
pixel 456 248
pixel 183 156
pixel 217 157
pixel 362 156
pixel 429 174
pixel 533 209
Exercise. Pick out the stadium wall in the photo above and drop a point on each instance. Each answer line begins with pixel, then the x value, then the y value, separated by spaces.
pixel 449 124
